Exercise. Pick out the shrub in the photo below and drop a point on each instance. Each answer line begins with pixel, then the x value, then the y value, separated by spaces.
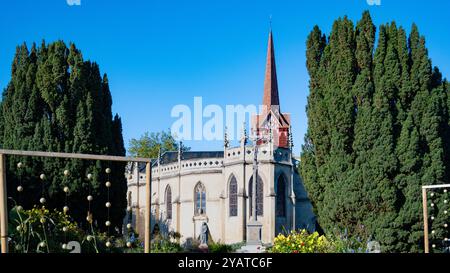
pixel 303 242
pixel 341 243
pixel 40 230
pixel 220 248
pixel 300 242
pixel 166 243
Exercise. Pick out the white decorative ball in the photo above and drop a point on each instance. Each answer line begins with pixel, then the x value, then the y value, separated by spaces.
pixel 64 246
pixel 65 229
pixel 445 212
pixel 432 204
pixel 129 244
pixel 445 225
pixel 108 184
pixel 89 238
pixel 90 198
pixel 432 194
pixel 445 201
pixel 43 220
pixel 433 232
pixel 108 223
pixel 66 209
pixel 89 218
pixel 432 217
pixel 42 244
pixel 129 208
pixel 42 176
pixel 128 226
pixel 19 188
pixel 108 244
pixel 445 191
pixel 66 172
pixel 108 204
pixel 19 208
pixel 19 228
pixel 19 165
pixel 66 189
pixel 42 200
pixel 434 246
pixel 108 170
pixel 89 176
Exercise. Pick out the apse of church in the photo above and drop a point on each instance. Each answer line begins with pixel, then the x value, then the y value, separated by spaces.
pixel 216 188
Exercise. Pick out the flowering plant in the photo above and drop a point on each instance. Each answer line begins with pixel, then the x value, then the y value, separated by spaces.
pixel 300 242
pixel 41 230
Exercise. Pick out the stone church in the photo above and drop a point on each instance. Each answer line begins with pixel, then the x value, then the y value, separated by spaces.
pixel 217 188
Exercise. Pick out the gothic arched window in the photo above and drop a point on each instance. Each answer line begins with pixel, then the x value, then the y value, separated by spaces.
pixel 233 196
pixel 200 199
pixel 281 197
pixel 169 202
pixel 259 196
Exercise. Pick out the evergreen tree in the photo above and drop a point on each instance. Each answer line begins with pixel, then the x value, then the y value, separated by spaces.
pixel 339 79
pixel 354 206
pixel 56 101
pixel 314 154
pixel 378 130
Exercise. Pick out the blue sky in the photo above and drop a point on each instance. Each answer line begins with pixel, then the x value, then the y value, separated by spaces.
pixel 161 53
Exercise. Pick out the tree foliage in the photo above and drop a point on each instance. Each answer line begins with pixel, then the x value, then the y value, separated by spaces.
pixel 56 101
pixel 150 145
pixel 378 129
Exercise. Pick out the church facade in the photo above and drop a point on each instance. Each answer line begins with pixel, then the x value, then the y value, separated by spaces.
pixel 217 188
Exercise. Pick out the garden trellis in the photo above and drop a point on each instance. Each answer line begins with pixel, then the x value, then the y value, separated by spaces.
pixel 432 190
pixel 4 197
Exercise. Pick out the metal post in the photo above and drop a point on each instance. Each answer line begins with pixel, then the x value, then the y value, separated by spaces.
pixel 254 187
pixel 3 206
pixel 138 207
pixel 294 202
pixel 148 202
pixel 425 220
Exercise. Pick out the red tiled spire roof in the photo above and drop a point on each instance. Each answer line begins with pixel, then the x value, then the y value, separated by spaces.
pixel 271 99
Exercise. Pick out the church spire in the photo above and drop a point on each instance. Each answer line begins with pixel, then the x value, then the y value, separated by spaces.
pixel 271 100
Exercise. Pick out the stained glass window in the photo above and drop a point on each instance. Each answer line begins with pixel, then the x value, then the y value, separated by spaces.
pixel 200 199
pixel 259 196
pixel 169 202
pixel 281 197
pixel 233 194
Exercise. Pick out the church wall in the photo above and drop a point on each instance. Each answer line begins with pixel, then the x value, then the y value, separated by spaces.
pixel 190 223
pixel 305 217
pixel 216 180
pixel 284 224
pixel 234 227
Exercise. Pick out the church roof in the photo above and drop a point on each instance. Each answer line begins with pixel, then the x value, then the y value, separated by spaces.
pixel 171 157
pixel 271 98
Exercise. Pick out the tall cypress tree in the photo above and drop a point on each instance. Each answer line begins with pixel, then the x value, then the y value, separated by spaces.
pixel 381 166
pixel 339 79
pixel 313 154
pixel 378 130
pixel 362 91
pixel 56 101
